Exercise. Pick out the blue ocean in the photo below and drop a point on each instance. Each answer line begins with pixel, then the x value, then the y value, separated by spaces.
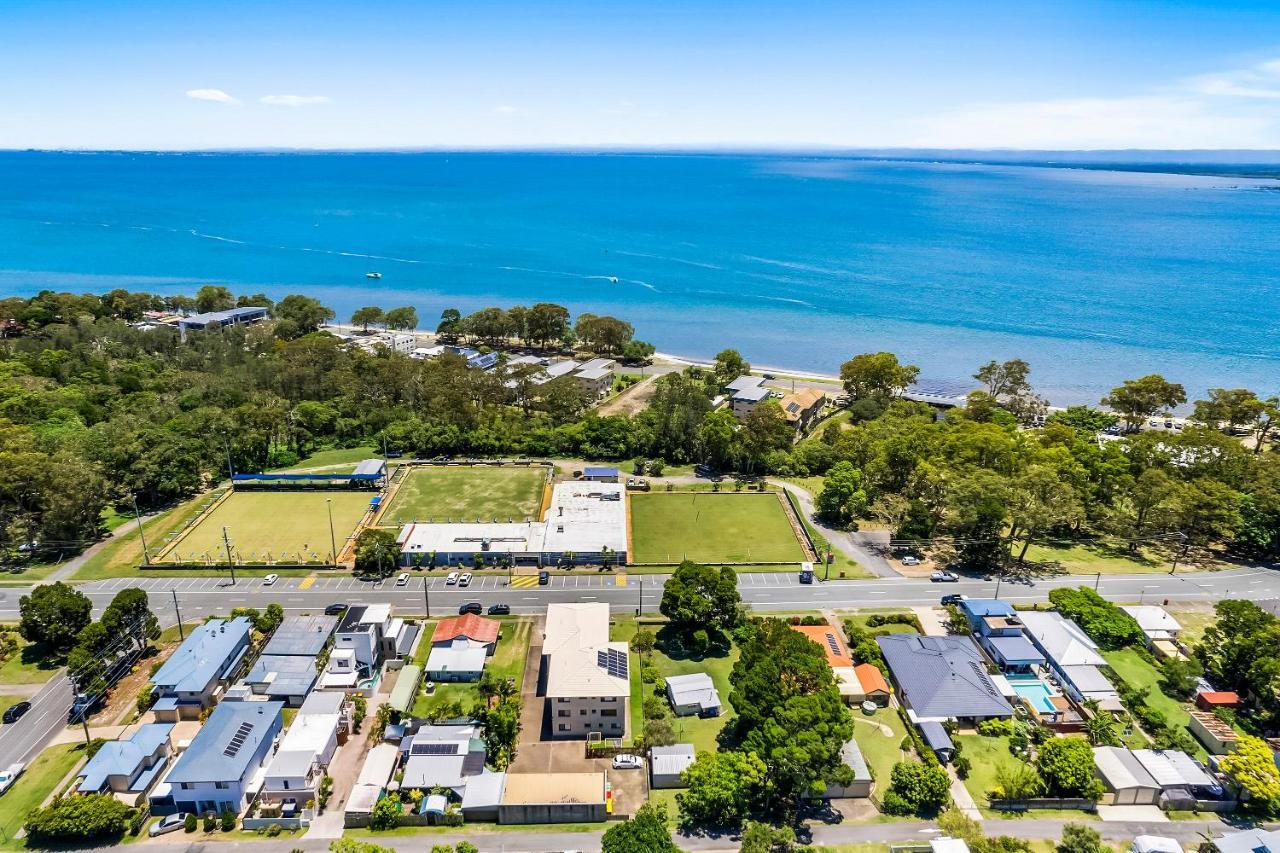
pixel 1092 276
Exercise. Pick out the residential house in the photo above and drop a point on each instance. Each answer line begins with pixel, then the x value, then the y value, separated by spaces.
pixel 832 643
pixel 1207 700
pixel 362 630
pixel 587 675
pixel 475 631
pixel 860 787
pixel 744 402
pixel 745 382
pixel 1072 656
pixel 287 678
pixel 129 767
pixel 862 683
pixel 195 675
pixel 1249 841
pixel 999 630
pixel 373 781
pixel 216 771
pixel 1160 628
pixel 442 757
pixel 1155 844
pixel 299 763
pixel 693 694
pixel 457 661
pixel 595 377
pixel 1126 781
pixel 666 763
pixel 942 678
pixel 301 636
pixel 801 408
pixel 210 320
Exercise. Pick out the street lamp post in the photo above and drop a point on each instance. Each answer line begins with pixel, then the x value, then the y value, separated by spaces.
pixel 426 596
pixel 146 557
pixel 226 540
pixel 333 542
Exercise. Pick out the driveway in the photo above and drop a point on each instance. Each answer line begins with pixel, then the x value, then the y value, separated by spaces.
pixel 858 547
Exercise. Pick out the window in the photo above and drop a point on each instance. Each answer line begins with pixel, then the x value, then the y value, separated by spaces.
pixel 186 786
pixel 609 712
pixel 286 784
pixel 564 727
pixel 562 713
pixel 562 701
pixel 222 785
pixel 582 712
pixel 609 699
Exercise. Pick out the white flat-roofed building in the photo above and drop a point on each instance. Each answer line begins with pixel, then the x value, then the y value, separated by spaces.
pixel 587 675
pixel 1154 621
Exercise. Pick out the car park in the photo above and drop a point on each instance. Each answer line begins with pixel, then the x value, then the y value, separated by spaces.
pixel 471 607
pixel 403 579
pixel 944 577
pixel 499 609
pixel 15 711
pixel 270 579
pixel 627 761
pixel 465 580
pixel 9 775
pixel 452 578
pixel 168 823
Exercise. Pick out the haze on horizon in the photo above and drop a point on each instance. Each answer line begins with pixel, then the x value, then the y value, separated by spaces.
pixel 1197 74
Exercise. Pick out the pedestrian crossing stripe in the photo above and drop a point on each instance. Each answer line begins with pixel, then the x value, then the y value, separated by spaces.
pixel 620 579
pixel 307 582
pixel 524 581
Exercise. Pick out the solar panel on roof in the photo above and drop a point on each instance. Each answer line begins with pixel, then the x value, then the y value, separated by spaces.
pixel 434 749
pixel 238 739
pixel 834 644
pixel 613 662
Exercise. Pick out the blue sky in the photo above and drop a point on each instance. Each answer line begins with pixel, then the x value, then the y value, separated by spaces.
pixel 181 75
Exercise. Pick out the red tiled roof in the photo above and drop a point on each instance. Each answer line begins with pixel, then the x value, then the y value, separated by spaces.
pixel 829 639
pixel 871 679
pixel 1217 697
pixel 468 625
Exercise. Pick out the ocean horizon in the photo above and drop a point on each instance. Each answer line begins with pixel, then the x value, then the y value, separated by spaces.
pixel 799 262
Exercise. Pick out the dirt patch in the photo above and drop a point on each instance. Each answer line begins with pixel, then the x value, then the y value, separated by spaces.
pixel 122 701
pixel 631 401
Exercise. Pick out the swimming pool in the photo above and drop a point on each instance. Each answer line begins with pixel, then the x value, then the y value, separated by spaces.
pixel 1035 691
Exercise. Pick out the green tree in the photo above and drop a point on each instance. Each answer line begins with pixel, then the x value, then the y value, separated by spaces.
pixel 701 597
pixel 386 813
pixel 1252 765
pixel 71 821
pixel 760 837
pixel 304 313
pixel 1066 766
pixel 1229 409
pixel 377 553
pixel 546 323
pixel 876 375
pixel 270 618
pixel 1104 622
pixel 129 615
pixel 718 438
pixel 842 497
pixel 645 832
pixel 367 316
pixel 603 334
pixel 637 352
pixel 53 615
pixel 765 429
pixel 213 297
pixel 1083 419
pixel 722 788
pixel 1138 399
pixel 401 319
pixel 729 366
pixel 1078 838
pixel 917 788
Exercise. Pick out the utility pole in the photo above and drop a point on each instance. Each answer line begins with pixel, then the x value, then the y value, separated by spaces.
pixel 146 557
pixel 333 542
pixel 181 637
pixel 231 472
pixel 640 601
pixel 1181 553
pixel 426 596
pixel 998 579
pixel 230 564
pixel 1097 580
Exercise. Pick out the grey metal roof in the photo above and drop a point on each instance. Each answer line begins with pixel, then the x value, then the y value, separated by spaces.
pixel 671 760
pixel 942 676
pixel 1015 649
pixel 304 636
pixel 204 654
pixel 226 745
pixel 283 675
pixel 935 736
pixel 752 394
pixel 371 466
pixel 851 754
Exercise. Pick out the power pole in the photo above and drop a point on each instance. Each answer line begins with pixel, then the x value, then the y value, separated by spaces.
pixel 426 596
pixel 146 558
pixel 1181 553
pixel 181 637
pixel 333 542
pixel 640 601
pixel 231 472
pixel 230 564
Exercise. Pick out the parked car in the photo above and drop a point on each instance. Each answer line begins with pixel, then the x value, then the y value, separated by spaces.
pixel 806 576
pixel 910 560
pixel 452 578
pixel 944 577
pixel 465 580
pixel 82 706
pixel 626 761
pixel 15 711
pixel 544 578
pixel 769 376
pixel 403 579
pixel 9 774
pixel 270 579
pixel 471 607
pixel 953 598
pixel 335 609
pixel 168 823
pixel 499 609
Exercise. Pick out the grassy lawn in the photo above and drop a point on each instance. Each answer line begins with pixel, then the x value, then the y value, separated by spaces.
pixel 338 456
pixel 28 665
pixel 507 662
pixel 1090 559
pixel 880 750
pixel 275 523
pixel 1194 619
pixel 860 619
pixel 1138 673
pixel 480 493
pixel 702 733
pixel 39 780
pixel 711 528
pixel 121 556
pixel 986 755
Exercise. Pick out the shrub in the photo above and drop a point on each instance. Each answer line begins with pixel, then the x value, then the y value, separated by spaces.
pixel 894 804
pixel 649 674
pixel 996 727
pixel 210 821
pixel 962 766
pixel 923 788
pixel 76 819
pixel 273 829
pixel 228 820
pixel 137 821
pixel 189 822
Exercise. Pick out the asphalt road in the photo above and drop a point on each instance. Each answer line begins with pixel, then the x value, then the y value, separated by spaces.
pixel 23 740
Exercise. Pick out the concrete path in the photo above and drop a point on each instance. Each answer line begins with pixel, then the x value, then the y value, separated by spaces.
pixel 961 796
pixel 930 621
pixel 848 544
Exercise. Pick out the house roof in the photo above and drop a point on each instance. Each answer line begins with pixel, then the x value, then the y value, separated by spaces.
pixel 580 655
pixel 456 659
pixel 322 702
pixel 1088 679
pixel 598 471
pixel 283 675
pixel 291 763
pixel 744 382
pixel 379 764
pixel 1249 841
pixel 1173 769
pixel 598 364
pixel 1155 844
pixel 469 625
pixel 370 468
pixel 1152 618
pixel 935 736
pixel 484 791
pixel 980 608
pixel 851 754
pixel 1120 770
pixel 694 689
pixel 1060 639
pixel 671 760
pixel 1219 697
pixel 753 394
pixel 406 688
pixel 224 747
pixel 122 757
pixel 304 636
pixel 943 676
pixel 203 655
pixel 830 641
pixel 871 678
pixel 1014 649
pixel 795 404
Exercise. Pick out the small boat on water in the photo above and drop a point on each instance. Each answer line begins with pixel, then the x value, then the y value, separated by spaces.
pixel 373 275
pixel 613 279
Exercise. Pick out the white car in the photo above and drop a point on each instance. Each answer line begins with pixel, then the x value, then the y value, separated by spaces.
pixel 403 579
pixel 9 774
pixel 944 577
pixel 627 762
pixel 910 561
pixel 465 580
pixel 270 579
pixel 452 578
pixel 168 823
